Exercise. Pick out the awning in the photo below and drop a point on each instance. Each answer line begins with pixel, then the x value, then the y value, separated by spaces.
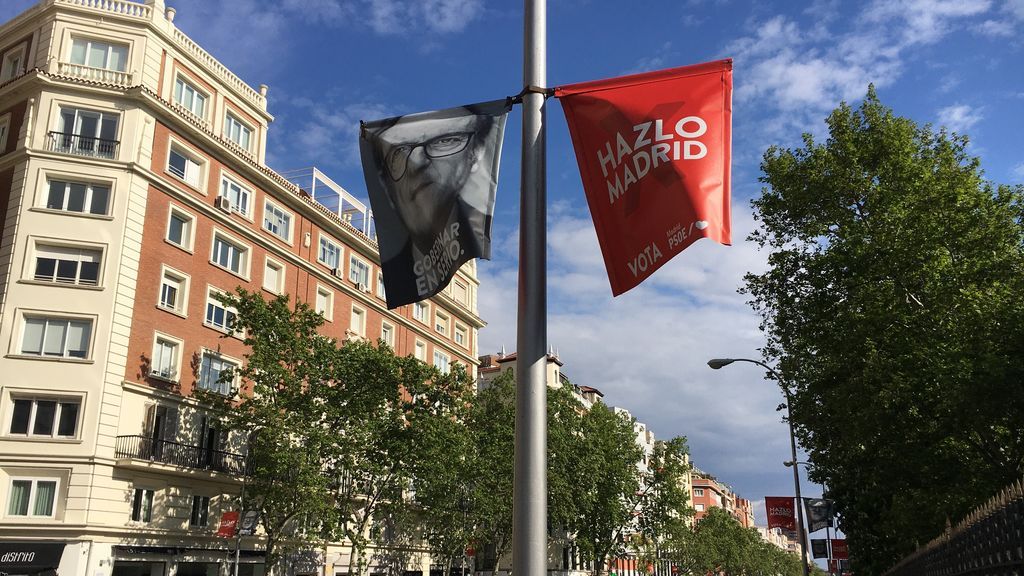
pixel 30 557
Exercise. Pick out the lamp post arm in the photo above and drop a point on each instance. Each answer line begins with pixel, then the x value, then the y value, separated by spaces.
pixel 718 363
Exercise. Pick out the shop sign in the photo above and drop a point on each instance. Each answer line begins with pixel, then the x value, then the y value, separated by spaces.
pixel 17 555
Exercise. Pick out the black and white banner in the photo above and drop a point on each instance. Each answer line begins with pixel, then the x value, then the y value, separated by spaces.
pixel 819 513
pixel 431 178
pixel 819 548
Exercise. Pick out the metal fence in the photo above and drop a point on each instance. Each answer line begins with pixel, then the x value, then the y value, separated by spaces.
pixel 989 541
pixel 181 455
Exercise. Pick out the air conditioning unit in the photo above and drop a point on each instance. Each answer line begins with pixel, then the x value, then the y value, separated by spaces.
pixel 224 203
pixel 338 273
pixel 363 287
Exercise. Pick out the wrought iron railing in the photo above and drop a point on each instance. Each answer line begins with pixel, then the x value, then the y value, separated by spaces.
pixel 182 455
pixel 989 541
pixel 82 145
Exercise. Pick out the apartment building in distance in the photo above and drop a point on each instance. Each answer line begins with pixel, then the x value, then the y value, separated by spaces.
pixel 707 492
pixel 133 188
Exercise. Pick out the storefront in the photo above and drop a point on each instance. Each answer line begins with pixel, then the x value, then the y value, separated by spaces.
pixel 30 558
pixel 184 561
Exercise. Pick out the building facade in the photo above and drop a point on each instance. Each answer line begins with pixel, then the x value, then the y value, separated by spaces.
pixel 133 188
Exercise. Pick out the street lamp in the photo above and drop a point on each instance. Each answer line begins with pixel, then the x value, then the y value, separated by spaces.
pixel 717 363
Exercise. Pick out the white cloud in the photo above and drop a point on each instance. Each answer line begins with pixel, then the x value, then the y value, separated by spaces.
pixel 997 28
pixel 1018 170
pixel 646 350
pixel 923 21
pixel 409 16
pixel 1015 8
pixel 959 118
pixel 793 75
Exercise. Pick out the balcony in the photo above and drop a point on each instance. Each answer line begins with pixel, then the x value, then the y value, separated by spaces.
pixel 81 145
pixel 149 453
pixel 90 74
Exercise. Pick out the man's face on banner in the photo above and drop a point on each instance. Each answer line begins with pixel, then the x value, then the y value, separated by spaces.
pixel 426 164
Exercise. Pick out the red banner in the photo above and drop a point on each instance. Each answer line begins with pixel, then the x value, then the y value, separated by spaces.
pixel 780 512
pixel 839 550
pixel 228 523
pixel 654 152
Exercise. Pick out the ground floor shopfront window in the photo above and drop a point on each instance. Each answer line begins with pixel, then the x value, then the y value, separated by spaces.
pixel 126 568
pixel 198 569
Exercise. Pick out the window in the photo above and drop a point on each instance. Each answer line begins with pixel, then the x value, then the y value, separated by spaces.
pixel 238 195
pixel 330 253
pixel 359 271
pixel 441 323
pixel 173 291
pixel 698 492
pixel 211 368
pixel 45 417
pixel 142 505
pixel 5 126
pixel 698 507
pixel 200 511
pixel 459 292
pixel 56 337
pixel 358 322
pixel 273 276
pixel 237 132
pixel 189 97
pixel 324 304
pixel 217 315
pixel 420 311
pixel 86 133
pixel 421 351
pixel 380 286
pixel 179 229
pixel 441 361
pixel 78 197
pixel 165 358
pixel 461 336
pixel 32 497
pixel 14 64
pixel 185 165
pixel 387 334
pixel 277 221
pixel 96 54
pixel 229 255
pixel 67 265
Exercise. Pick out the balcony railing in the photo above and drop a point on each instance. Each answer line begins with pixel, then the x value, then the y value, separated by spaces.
pixel 83 72
pixel 181 455
pixel 81 145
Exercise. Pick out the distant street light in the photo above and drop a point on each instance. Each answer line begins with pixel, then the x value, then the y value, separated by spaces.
pixel 716 363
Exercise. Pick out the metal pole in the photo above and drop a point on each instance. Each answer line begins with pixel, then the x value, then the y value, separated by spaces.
pixel 717 363
pixel 238 526
pixel 796 480
pixel 529 501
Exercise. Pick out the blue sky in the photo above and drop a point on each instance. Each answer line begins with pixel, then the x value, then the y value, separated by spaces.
pixel 330 63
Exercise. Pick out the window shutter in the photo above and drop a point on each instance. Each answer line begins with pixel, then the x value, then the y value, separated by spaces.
pixel 171 425
pixel 150 419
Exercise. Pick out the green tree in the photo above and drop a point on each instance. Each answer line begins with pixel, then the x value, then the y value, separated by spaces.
pixel 894 308
pixel 492 425
pixel 446 470
pixel 663 504
pixel 607 484
pixel 286 362
pixel 336 431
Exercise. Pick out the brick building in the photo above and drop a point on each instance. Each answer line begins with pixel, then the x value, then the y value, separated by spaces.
pixel 133 187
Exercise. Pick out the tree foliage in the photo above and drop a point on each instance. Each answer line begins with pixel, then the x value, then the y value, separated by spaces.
pixel 893 307
pixel 336 430
pixel 718 544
